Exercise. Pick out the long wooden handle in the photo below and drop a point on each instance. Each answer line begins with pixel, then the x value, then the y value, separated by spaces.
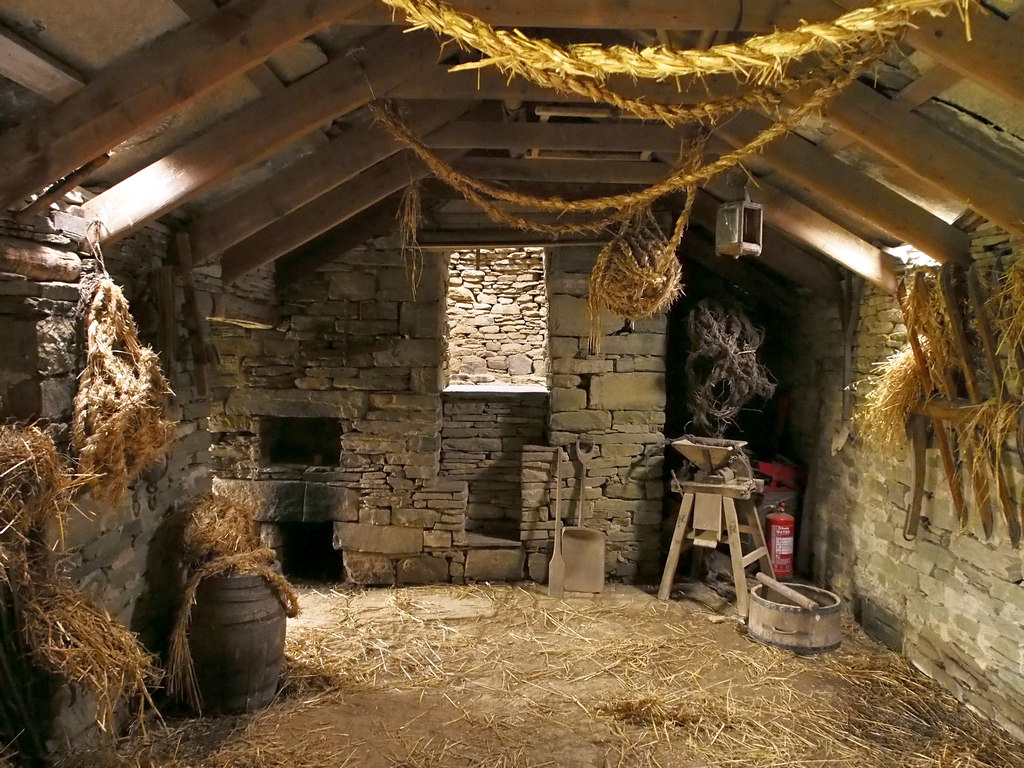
pixel 802 600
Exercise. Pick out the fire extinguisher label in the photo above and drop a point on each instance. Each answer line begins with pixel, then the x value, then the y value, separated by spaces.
pixel 783 545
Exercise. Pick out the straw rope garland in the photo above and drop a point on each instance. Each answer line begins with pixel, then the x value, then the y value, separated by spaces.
pixel 761 59
pixel 615 208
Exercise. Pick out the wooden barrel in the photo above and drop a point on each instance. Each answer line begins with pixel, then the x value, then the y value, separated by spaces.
pixel 237 642
pixel 776 621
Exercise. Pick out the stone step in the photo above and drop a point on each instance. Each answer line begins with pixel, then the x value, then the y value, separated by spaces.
pixel 492 559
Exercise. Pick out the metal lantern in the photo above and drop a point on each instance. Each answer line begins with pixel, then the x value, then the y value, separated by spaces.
pixel 738 230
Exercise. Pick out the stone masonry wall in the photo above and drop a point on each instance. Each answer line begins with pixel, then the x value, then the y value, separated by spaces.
pixel 614 398
pixel 481 443
pixel 353 346
pixel 497 317
pixel 951 601
pixel 124 557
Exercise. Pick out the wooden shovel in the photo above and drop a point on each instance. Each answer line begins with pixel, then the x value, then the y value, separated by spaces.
pixel 583 548
pixel 556 568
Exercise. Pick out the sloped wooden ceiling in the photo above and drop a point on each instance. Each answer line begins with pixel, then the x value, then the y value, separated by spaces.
pixel 245 123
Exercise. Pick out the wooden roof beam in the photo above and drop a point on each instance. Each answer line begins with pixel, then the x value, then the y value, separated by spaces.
pixel 847 187
pixel 993 59
pixel 594 137
pixel 35 69
pixel 914 143
pixel 376 221
pixel 325 212
pixel 258 130
pixel 342 159
pixel 139 89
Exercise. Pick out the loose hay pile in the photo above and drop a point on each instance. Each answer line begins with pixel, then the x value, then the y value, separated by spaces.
pixel 219 539
pixel 120 425
pixel 882 421
pixel 59 627
pixel 453 677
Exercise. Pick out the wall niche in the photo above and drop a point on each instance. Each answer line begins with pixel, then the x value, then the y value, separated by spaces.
pixel 303 441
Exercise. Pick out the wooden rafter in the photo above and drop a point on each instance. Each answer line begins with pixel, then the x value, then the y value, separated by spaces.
pixel 257 131
pixel 847 187
pixel 914 143
pixel 142 87
pixel 325 212
pixel 376 221
pixel 347 155
pixel 36 70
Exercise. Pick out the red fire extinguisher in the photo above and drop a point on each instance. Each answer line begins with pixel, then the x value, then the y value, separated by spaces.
pixel 780 532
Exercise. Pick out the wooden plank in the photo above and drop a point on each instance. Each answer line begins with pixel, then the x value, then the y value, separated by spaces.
pixel 847 187
pixel 993 59
pixel 609 137
pixel 815 231
pixel 343 158
pixel 930 84
pixel 257 131
pixel 139 89
pixel 36 70
pixel 376 221
pixel 37 261
pixel 608 171
pixel 914 143
pixel 327 211
pixel 749 16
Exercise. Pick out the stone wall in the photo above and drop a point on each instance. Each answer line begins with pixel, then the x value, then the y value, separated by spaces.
pixel 353 346
pixel 481 443
pixel 951 600
pixel 125 557
pixel 614 398
pixel 497 317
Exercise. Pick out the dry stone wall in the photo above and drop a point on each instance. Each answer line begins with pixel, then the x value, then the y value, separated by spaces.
pixel 614 398
pixel 951 600
pixel 124 557
pixel 497 317
pixel 353 346
pixel 482 442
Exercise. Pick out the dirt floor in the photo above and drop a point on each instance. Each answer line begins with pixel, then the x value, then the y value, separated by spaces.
pixel 506 676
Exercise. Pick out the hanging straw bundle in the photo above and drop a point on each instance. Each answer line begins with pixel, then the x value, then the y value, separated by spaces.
pixel 723 373
pixel 63 630
pixel 219 539
pixel 882 420
pixel 1008 304
pixel 120 425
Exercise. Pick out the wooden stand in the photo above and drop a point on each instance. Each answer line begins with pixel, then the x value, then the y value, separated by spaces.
pixel 702 512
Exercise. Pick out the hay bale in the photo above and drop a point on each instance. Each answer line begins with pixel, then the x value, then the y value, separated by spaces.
pixel 120 425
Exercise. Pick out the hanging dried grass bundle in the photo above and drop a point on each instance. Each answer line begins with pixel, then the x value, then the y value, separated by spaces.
pixel 927 316
pixel 120 424
pixel 723 373
pixel 71 636
pixel 882 419
pixel 65 632
pixel 1008 303
pixel 410 217
pixel 219 539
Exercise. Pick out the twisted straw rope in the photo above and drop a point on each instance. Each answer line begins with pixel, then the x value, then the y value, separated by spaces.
pixel 762 59
pixel 621 205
